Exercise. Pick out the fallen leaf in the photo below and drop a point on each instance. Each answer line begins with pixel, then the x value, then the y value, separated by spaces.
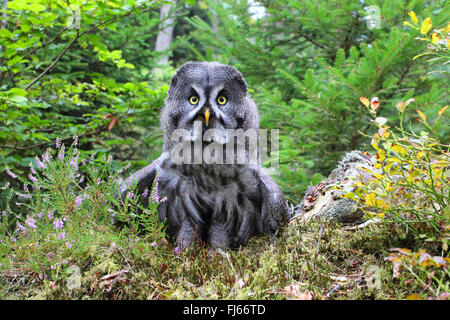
pixel 413 297
pixel 294 290
pixel 444 296
pixel 52 285
pixel 398 269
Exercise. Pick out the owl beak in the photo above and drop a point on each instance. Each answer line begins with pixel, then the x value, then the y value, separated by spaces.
pixel 207 115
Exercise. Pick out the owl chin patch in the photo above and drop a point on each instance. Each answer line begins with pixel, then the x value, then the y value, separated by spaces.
pixel 214 146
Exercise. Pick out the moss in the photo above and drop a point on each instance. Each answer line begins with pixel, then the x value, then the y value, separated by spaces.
pixel 317 256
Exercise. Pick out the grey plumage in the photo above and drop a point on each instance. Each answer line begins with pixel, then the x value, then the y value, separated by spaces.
pixel 221 204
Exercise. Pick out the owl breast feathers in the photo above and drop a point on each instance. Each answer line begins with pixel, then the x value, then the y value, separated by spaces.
pixel 216 188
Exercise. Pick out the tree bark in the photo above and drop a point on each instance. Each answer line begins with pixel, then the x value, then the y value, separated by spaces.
pixel 165 35
pixel 323 201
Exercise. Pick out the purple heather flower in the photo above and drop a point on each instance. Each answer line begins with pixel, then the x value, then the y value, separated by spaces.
pixel 155 195
pixel 31 223
pixel 145 193
pixel 40 214
pixel 46 157
pixel 58 143
pixel 24 195
pixel 109 159
pixel 61 153
pixel 12 175
pixel 25 188
pixel 74 161
pixel 78 201
pixel 177 250
pixel 6 186
pixel 75 140
pixel 21 227
pixel 58 223
pixel 130 195
pixel 50 215
pixel 32 168
pixel 68 244
pixel 39 163
pixel 30 176
pixel 61 235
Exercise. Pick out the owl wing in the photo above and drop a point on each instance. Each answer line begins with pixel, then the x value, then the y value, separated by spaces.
pixel 143 178
pixel 274 211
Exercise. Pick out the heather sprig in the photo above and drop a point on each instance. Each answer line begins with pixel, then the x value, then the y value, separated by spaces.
pixel 62 180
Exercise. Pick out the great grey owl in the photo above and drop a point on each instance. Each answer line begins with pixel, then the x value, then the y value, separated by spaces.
pixel 220 203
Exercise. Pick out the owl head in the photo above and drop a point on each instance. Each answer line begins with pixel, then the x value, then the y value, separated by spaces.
pixel 214 94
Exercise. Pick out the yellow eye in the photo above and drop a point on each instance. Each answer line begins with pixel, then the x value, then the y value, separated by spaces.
pixel 193 99
pixel 221 100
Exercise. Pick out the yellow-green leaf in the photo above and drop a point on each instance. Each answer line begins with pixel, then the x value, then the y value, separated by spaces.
pixel 426 26
pixel 370 199
pixel 364 101
pixel 440 112
pixel 413 17
pixel 409 24
pixel 422 54
pixel 399 150
pixel 400 106
pixel 422 115
pixel 434 38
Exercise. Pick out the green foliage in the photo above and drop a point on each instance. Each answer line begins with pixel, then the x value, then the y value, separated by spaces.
pixel 69 68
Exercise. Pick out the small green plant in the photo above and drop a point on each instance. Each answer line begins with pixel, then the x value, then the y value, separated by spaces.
pixel 410 179
pixel 139 213
pixel 438 40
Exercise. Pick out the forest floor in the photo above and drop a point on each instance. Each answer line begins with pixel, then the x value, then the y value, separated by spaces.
pixel 305 261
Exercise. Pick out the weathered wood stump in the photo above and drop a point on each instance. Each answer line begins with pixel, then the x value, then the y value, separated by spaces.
pixel 324 201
